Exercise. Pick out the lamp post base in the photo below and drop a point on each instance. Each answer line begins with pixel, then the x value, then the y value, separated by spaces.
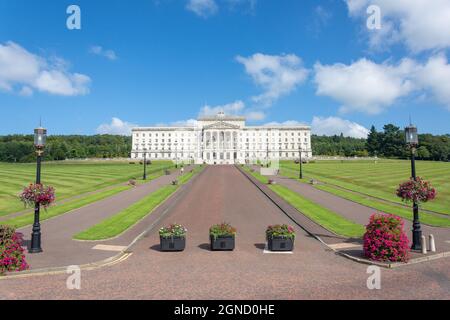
pixel 417 236
pixel 35 246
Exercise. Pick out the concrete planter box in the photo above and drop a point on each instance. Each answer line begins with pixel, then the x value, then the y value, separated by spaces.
pixel 225 243
pixel 280 244
pixel 173 243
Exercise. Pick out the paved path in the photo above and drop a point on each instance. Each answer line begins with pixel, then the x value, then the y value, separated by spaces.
pixel 224 194
pixel 59 247
pixel 357 212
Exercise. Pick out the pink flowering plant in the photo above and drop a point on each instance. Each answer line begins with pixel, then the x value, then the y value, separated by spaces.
pixel 417 190
pixel 37 194
pixel 283 231
pixel 12 257
pixel 385 239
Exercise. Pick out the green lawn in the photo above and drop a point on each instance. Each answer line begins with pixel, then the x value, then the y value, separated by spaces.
pixel 122 221
pixel 68 178
pixel 328 219
pixel 378 179
pixel 427 218
pixel 28 218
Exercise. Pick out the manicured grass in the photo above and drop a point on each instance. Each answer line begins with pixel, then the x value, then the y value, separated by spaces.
pixel 56 210
pixel 122 221
pixel 427 218
pixel 323 216
pixel 68 178
pixel 328 219
pixel 378 178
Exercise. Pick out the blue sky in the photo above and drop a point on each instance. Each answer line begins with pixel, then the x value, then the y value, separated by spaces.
pixel 148 62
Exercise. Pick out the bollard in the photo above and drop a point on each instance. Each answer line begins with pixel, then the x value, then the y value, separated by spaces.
pixel 423 242
pixel 432 244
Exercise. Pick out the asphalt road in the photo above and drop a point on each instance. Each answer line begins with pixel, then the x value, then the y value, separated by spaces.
pixel 223 194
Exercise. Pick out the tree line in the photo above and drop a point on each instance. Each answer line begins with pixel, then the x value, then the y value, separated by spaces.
pixel 389 143
pixel 20 148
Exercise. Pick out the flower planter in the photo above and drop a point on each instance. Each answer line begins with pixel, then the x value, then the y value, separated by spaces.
pixel 280 244
pixel 222 243
pixel 173 243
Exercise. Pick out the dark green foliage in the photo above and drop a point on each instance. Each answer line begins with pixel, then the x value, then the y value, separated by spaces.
pixel 19 148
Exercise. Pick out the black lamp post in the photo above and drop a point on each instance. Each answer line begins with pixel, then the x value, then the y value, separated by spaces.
pixel 176 154
pixel 412 140
pixel 300 160
pixel 145 164
pixel 40 137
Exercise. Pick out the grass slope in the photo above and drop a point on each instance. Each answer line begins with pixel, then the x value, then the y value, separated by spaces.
pixel 378 178
pixel 68 178
pixel 122 221
pixel 326 218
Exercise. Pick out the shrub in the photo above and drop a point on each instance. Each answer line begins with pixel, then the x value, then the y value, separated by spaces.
pixel 37 194
pixel 385 239
pixel 284 231
pixel 222 230
pixel 174 230
pixel 416 190
pixel 12 257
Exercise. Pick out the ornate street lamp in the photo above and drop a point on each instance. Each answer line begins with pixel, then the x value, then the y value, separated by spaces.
pixel 300 160
pixel 412 140
pixel 40 137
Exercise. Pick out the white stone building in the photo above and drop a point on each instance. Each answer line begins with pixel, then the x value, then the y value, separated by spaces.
pixel 222 139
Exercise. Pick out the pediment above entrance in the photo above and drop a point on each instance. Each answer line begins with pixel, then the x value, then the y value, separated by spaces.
pixel 221 125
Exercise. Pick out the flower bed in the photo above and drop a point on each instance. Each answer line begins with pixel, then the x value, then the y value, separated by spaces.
pixel 11 251
pixel 280 237
pixel 37 194
pixel 417 190
pixel 173 238
pixel 385 239
pixel 222 237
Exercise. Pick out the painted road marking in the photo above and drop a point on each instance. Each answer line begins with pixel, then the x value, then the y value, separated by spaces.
pixel 448 241
pixel 344 245
pixel 105 247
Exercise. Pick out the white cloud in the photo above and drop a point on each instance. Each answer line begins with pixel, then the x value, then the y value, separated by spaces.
pixel 335 126
pixel 365 86
pixel 255 115
pixel 435 77
pixel 100 51
pixel 230 108
pixel 202 8
pixel 289 123
pixel 278 75
pixel 185 123
pixel 20 68
pixel 420 24
pixel 116 127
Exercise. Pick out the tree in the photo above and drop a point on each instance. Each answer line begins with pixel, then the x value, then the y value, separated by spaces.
pixel 373 142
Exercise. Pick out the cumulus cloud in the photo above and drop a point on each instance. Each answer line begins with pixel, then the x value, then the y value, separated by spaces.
pixel 233 108
pixel 203 8
pixel 116 127
pixel 420 24
pixel 289 123
pixel 278 75
pixel 106 53
pixel 435 76
pixel 368 87
pixel 25 71
pixel 335 126
pixel 364 85
pixel 255 115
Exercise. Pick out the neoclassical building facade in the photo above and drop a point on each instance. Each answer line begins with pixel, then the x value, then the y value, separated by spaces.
pixel 221 139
